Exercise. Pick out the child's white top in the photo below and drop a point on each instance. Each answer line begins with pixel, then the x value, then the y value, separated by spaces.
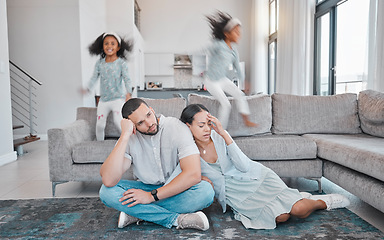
pixel 112 75
pixel 220 58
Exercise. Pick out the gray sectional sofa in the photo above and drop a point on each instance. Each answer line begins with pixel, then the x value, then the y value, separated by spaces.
pixel 340 137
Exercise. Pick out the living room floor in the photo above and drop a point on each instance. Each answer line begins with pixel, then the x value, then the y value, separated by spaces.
pixel 28 178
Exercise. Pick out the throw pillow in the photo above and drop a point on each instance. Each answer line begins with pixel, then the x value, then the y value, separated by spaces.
pixel 371 112
pixel 294 114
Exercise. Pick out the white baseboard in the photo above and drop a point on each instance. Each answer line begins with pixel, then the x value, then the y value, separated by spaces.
pixel 43 137
pixel 8 158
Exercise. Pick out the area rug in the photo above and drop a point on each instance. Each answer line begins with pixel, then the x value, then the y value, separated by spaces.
pixel 88 218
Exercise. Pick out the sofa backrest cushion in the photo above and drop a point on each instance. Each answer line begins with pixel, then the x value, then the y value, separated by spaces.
pixel 371 112
pixel 294 114
pixel 168 107
pixel 259 105
pixel 89 114
pixel 171 107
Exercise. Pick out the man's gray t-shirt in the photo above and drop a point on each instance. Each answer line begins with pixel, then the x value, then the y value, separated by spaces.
pixel 155 157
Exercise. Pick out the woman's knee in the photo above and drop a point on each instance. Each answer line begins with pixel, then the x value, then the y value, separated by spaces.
pixel 299 208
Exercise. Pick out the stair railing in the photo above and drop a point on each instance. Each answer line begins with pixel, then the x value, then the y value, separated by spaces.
pixel 23 97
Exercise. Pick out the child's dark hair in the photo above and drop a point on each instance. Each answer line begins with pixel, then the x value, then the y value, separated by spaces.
pixel 96 48
pixel 217 23
pixel 190 111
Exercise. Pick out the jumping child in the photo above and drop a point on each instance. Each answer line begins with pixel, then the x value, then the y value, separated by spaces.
pixel 222 54
pixel 112 69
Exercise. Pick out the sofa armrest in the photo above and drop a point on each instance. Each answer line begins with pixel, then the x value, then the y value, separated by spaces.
pixel 60 143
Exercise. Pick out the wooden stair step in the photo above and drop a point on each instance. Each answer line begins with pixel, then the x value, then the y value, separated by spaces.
pixel 17 126
pixel 21 141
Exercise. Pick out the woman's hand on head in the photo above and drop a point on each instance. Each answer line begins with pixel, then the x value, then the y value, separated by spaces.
pixel 216 124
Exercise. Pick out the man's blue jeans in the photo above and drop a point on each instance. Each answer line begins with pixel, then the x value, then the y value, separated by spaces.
pixel 163 212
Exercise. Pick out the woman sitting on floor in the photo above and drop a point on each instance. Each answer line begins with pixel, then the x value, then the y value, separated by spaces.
pixel 256 194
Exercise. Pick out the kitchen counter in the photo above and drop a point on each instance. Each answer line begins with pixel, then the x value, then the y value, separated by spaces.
pixel 165 93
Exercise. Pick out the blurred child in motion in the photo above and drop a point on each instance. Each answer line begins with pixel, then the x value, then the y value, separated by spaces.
pixel 221 56
pixel 112 70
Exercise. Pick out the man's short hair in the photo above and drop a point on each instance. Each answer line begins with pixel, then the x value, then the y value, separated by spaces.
pixel 131 105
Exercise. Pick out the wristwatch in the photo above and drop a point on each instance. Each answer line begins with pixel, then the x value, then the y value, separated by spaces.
pixel 154 194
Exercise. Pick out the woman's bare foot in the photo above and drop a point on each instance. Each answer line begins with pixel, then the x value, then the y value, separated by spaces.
pixel 247 122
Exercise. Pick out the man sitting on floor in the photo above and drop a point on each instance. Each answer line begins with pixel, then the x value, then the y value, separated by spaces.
pixel 166 162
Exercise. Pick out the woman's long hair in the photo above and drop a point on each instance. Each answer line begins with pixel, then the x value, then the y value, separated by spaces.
pixel 190 111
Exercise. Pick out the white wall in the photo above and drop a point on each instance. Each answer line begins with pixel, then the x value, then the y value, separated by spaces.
pixel 50 39
pixel 120 18
pixel 92 24
pixel 180 26
pixel 44 39
pixel 101 16
pixel 137 70
pixel 6 141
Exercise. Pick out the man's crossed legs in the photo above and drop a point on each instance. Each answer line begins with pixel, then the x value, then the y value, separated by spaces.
pixel 172 211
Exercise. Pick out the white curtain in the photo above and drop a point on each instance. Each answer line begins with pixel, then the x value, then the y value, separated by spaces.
pixel 376 46
pixel 259 46
pixel 294 70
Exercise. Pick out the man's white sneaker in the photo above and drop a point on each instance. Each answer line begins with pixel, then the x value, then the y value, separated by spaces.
pixel 196 220
pixel 305 194
pixel 125 220
pixel 332 200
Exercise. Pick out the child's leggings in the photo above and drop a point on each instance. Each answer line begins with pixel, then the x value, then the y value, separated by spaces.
pixel 103 109
pixel 217 88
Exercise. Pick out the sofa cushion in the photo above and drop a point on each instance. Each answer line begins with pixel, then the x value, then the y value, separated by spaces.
pixel 360 152
pixel 89 114
pixel 92 151
pixel 315 114
pixel 277 147
pixel 294 168
pixel 168 107
pixel 259 105
pixel 171 107
pixel 371 112
pixel 368 189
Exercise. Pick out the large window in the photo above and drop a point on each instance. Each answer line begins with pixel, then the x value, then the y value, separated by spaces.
pixel 341 46
pixel 272 44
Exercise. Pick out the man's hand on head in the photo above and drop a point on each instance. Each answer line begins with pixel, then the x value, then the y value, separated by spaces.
pixel 127 128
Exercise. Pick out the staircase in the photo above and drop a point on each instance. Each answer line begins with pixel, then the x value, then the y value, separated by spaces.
pixel 23 88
